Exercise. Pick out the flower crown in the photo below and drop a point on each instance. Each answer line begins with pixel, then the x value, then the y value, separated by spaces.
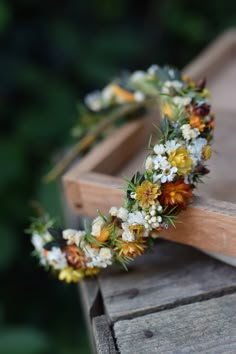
pixel 155 197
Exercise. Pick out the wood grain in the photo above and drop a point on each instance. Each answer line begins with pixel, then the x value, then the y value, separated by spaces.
pixel 170 276
pixel 208 224
pixel 103 336
pixel 207 327
pixel 91 184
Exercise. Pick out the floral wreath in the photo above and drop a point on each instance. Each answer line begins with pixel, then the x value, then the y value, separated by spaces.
pixel 155 197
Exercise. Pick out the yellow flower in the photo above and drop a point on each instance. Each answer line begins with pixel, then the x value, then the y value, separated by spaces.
pixel 91 271
pixel 131 249
pixel 137 230
pixel 167 109
pixel 70 274
pixel 147 194
pixel 180 158
pixel 206 152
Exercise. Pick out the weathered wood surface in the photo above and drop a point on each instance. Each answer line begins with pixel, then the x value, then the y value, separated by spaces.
pixel 171 275
pixel 103 336
pixel 205 327
pixel 207 224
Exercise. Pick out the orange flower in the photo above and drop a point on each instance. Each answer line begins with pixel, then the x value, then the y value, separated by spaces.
pixel 122 94
pixel 195 122
pixel 147 194
pixel 75 257
pixel 176 193
pixel 131 249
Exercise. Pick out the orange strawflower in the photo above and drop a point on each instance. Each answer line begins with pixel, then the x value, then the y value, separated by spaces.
pixel 122 94
pixel 131 249
pixel 147 193
pixel 195 122
pixel 176 193
pixel 75 257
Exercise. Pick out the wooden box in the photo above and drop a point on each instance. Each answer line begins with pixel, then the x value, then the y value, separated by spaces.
pixel 210 222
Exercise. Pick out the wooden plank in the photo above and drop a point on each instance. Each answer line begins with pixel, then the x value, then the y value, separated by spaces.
pixel 205 327
pixel 108 157
pixel 207 224
pixel 173 274
pixel 213 56
pixel 103 336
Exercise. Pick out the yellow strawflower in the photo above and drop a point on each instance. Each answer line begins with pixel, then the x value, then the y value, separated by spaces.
pixel 70 275
pixel 206 152
pixel 180 158
pixel 147 194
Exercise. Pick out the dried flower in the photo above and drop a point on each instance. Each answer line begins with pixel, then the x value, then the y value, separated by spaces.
pixel 147 193
pixel 176 193
pixel 180 158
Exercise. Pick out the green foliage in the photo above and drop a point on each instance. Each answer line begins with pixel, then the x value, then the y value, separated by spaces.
pixel 52 53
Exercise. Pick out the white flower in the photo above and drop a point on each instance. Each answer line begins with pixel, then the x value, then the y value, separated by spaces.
pixel 188 132
pixel 56 258
pixel 149 164
pixel 122 213
pixel 113 211
pixel 181 101
pixel 166 175
pixel 139 96
pixel 108 93
pixel 98 258
pixel 152 218
pixel 195 149
pixel 152 69
pixel 160 162
pixel 138 76
pixel 37 242
pixel 177 85
pixel 159 149
pixel 127 235
pixel 73 236
pixel 105 254
pixel 93 101
pixel 171 145
pixel 136 218
pixel 97 226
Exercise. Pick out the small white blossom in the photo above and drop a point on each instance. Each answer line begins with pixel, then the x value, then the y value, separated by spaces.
pixel 98 258
pixel 73 236
pixel 195 149
pixel 139 96
pixel 136 218
pixel 161 162
pixel 138 76
pixel 171 145
pixel 108 93
pixel 159 149
pixel 127 235
pixel 152 69
pixel 122 214
pixel 188 132
pixel 177 85
pixel 105 254
pixel 93 101
pixel 113 211
pixel 166 175
pixel 97 226
pixel 37 242
pixel 181 101
pixel 56 258
pixel 149 164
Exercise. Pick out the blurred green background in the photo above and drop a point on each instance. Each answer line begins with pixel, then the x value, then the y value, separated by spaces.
pixel 52 53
